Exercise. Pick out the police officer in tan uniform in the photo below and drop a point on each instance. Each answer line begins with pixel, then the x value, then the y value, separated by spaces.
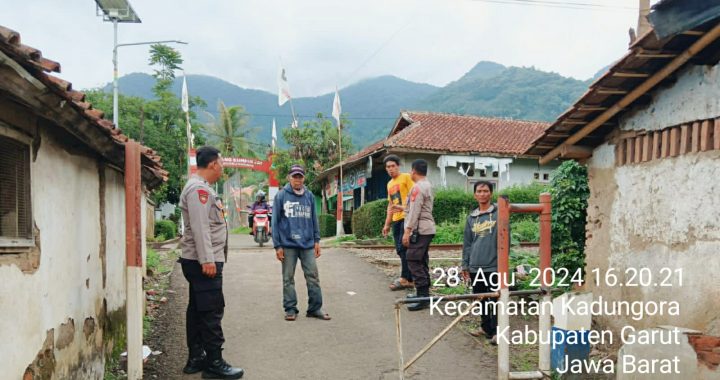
pixel 204 251
pixel 419 231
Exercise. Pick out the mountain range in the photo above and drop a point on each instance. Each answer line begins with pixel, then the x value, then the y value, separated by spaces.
pixel 373 105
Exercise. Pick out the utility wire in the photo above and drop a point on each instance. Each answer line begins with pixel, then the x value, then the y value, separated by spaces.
pixel 562 4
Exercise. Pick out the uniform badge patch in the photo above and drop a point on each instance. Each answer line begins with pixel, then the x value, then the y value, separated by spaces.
pixel 203 196
pixel 414 194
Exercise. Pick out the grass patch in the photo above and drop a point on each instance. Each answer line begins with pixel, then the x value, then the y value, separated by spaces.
pixel 240 231
pixel 450 290
pixel 112 370
pixel 156 264
pixel 343 238
pixel 153 260
pixel 524 357
pixel 147 325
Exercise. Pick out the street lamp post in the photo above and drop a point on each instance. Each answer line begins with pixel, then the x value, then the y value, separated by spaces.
pixel 117 11
pixel 115 68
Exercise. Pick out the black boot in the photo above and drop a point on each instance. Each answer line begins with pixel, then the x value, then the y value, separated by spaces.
pixel 218 368
pixel 197 360
pixel 421 292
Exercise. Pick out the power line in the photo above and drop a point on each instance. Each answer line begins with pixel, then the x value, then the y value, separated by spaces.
pixel 562 4
pixel 380 48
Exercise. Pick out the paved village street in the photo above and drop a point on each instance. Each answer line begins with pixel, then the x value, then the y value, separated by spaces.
pixel 358 343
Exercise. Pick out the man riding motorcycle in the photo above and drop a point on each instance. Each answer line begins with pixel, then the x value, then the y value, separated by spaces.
pixel 260 204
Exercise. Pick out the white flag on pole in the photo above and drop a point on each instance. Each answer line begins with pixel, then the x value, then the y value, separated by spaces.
pixel 274 136
pixel 336 107
pixel 185 101
pixel 283 87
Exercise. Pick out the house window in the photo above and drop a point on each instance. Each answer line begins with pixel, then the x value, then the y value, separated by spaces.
pixel 537 176
pixel 495 174
pixel 546 176
pixel 15 207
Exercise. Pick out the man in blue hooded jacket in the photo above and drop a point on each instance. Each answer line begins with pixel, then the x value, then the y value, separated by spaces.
pixel 296 235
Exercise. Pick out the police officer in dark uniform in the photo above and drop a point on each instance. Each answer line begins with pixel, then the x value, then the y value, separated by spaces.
pixel 204 251
pixel 419 221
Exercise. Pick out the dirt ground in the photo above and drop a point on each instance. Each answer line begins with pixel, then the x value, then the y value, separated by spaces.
pixel 359 342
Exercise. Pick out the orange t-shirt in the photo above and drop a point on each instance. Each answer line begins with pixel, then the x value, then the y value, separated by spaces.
pixel 398 189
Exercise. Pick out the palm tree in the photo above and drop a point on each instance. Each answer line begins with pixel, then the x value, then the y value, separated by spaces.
pixel 229 131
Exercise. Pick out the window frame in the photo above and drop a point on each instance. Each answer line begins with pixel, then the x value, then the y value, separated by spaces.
pixel 18 243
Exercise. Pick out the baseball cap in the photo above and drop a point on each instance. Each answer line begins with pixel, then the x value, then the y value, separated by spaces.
pixel 297 169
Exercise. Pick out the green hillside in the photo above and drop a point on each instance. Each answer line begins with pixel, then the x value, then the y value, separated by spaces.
pixel 372 105
pixel 516 92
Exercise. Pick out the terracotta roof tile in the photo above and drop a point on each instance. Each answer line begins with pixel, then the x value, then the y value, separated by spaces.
pixel 442 132
pixel 465 134
pixel 38 66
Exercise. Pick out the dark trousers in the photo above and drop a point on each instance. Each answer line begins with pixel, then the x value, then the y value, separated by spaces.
pixel 205 309
pixel 398 229
pixel 489 321
pixel 418 259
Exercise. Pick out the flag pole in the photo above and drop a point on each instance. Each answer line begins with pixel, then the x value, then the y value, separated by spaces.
pixel 292 110
pixel 185 103
pixel 337 112
pixel 339 231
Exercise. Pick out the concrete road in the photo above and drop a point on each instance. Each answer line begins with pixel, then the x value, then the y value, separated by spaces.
pixel 358 343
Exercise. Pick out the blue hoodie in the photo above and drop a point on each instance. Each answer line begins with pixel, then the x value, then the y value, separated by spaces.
pixel 294 222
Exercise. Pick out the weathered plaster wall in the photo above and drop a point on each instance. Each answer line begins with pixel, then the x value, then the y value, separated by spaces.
pixel 59 310
pixel 662 213
pixel 694 96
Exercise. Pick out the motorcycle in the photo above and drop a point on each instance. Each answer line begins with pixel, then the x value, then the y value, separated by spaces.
pixel 261 226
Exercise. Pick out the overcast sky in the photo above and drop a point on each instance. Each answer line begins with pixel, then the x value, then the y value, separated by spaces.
pixel 324 43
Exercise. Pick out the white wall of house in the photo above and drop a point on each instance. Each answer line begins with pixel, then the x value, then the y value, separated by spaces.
pixel 661 213
pixel 67 288
pixel 522 172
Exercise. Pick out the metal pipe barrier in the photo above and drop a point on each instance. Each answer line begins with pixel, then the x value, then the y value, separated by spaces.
pixel 403 366
pixel 544 208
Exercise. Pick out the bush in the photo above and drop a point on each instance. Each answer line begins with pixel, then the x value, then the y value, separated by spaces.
pixel 328 225
pixel 167 228
pixel 524 193
pixel 570 192
pixel 449 203
pixel 449 233
pixel 525 230
pixel 368 220
pixel 450 209
pixel 175 217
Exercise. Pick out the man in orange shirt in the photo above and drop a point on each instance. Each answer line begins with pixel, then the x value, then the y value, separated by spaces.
pixel 398 188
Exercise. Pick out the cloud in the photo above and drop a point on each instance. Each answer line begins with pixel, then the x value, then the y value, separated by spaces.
pixel 324 43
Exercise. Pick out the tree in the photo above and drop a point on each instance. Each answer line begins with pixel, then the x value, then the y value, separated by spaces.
pixel 315 146
pixel 166 60
pixel 229 131
pixel 158 123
